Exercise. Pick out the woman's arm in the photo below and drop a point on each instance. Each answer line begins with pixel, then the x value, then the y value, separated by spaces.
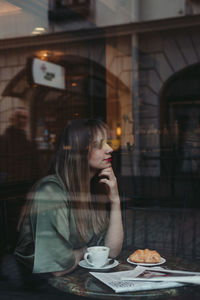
pixel 53 249
pixel 115 234
pixel 78 253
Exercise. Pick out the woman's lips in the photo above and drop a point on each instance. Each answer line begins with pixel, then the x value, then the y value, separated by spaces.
pixel 109 159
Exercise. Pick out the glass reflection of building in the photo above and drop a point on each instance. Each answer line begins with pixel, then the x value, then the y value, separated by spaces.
pixel 124 79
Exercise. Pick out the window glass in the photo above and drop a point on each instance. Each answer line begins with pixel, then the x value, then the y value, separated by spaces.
pixel 131 64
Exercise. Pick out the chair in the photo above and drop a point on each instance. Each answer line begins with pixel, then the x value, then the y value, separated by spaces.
pixel 12 197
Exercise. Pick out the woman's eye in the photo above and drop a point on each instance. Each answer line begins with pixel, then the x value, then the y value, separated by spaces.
pixel 102 143
pixel 109 142
pixel 99 144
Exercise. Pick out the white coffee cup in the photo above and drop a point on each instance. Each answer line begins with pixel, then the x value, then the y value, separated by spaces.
pixel 97 256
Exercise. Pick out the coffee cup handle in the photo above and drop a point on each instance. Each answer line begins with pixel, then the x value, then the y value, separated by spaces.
pixel 86 259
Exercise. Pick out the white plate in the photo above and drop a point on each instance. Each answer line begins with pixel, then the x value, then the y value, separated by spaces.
pixel 84 264
pixel 163 260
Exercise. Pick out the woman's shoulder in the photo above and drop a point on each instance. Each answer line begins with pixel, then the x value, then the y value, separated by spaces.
pixel 50 179
pixel 50 182
pixel 49 188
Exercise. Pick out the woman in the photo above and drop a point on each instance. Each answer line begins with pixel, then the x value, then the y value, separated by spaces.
pixel 68 210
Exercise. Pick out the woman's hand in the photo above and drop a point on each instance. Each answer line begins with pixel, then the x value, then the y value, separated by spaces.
pixel 114 236
pixel 110 181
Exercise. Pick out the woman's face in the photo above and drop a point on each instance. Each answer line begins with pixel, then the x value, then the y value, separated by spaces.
pixel 100 154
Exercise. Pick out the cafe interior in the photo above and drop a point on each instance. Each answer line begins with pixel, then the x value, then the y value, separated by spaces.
pixel 151 107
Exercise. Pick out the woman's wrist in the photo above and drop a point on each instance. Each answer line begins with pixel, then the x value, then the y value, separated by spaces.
pixel 115 203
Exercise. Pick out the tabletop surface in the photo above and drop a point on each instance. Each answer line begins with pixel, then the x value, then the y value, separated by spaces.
pixel 81 283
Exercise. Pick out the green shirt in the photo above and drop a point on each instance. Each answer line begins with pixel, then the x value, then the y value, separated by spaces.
pixel 49 235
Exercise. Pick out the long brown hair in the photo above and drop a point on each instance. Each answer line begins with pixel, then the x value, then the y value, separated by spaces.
pixel 72 167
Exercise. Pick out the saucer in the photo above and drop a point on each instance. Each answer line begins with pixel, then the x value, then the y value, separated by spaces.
pixel 163 260
pixel 108 266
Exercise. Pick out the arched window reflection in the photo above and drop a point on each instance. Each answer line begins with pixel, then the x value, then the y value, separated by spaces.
pixel 180 123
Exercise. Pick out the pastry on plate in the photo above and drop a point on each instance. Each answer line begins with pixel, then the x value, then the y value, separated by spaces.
pixel 145 256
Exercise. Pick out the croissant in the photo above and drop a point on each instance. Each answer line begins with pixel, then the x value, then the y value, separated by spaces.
pixel 145 256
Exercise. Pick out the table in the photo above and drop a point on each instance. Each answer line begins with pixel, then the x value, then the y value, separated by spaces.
pixel 81 283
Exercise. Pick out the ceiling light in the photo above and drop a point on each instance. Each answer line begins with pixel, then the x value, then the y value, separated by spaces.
pixel 36 32
pixel 40 29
